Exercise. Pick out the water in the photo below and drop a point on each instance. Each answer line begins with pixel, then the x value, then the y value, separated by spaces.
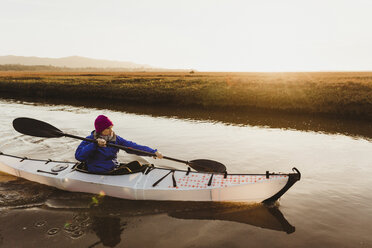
pixel 329 207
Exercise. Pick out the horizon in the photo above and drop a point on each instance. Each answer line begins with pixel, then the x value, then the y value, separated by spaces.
pixel 216 36
pixel 162 69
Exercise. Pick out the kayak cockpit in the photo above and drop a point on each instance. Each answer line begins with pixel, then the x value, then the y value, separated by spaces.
pixel 122 169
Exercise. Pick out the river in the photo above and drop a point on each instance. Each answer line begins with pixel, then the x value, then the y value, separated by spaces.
pixel 329 207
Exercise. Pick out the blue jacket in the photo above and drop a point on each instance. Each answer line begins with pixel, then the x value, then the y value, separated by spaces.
pixel 104 159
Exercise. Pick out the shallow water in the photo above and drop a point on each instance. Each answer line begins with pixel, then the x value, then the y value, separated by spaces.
pixel 329 207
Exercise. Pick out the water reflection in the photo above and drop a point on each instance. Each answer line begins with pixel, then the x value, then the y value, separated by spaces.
pixel 268 217
pixel 259 215
pixel 73 216
pixel 108 230
pixel 109 220
pixel 252 117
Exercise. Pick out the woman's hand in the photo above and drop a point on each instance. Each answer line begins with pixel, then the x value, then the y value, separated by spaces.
pixel 158 155
pixel 101 142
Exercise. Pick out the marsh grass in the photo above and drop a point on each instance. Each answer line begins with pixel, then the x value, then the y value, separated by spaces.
pixel 346 94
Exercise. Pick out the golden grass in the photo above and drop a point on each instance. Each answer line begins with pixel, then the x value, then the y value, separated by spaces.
pixel 347 94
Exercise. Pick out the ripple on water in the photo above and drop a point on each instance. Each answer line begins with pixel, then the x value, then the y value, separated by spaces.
pixel 19 192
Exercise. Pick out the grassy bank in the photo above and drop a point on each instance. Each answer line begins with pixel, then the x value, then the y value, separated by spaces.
pixel 346 94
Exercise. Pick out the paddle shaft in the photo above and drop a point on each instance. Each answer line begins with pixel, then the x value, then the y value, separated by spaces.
pixel 42 129
pixel 125 148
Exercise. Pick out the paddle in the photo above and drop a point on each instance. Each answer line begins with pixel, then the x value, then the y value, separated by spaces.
pixel 38 128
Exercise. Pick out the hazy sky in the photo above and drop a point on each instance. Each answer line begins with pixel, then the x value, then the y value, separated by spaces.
pixel 212 35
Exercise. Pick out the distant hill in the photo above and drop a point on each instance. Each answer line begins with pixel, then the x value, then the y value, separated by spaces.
pixel 72 62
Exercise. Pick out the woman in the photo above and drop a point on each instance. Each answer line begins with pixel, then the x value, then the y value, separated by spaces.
pixel 97 156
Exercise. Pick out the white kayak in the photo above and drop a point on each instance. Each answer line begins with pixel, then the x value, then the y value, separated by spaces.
pixel 153 183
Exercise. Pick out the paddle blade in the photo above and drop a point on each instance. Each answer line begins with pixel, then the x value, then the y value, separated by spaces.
pixel 206 165
pixel 36 128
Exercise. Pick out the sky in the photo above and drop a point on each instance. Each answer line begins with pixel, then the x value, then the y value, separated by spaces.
pixel 205 35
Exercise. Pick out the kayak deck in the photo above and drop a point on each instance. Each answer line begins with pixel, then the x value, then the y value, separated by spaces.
pixel 154 183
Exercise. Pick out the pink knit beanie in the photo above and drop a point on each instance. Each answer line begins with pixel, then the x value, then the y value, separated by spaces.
pixel 101 123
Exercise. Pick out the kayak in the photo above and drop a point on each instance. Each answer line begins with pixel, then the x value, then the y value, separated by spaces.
pixel 153 183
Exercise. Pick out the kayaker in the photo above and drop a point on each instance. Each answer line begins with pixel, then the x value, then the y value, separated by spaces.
pixel 100 158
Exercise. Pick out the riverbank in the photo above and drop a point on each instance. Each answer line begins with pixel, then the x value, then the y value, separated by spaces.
pixel 340 94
